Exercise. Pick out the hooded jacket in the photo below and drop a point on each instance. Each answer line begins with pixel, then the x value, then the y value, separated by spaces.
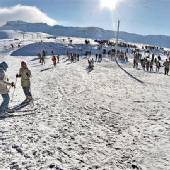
pixel 25 74
pixel 3 83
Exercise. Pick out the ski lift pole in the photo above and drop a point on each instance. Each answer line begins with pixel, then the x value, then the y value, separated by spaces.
pixel 117 38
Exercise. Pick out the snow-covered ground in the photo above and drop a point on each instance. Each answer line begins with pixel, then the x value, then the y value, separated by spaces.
pixel 107 119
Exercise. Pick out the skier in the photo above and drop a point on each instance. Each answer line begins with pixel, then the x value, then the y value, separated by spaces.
pixel 54 60
pixel 167 65
pixel 25 75
pixel 4 90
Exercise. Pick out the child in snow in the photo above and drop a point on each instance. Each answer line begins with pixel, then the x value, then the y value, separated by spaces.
pixel 25 75
pixel 4 90
pixel 91 65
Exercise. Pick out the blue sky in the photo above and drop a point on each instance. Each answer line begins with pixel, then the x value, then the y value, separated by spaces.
pixel 137 16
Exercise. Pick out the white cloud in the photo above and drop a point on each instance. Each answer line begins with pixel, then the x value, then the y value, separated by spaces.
pixel 110 4
pixel 25 13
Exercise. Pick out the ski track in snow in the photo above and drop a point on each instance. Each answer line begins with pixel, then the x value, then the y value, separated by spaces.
pixel 101 120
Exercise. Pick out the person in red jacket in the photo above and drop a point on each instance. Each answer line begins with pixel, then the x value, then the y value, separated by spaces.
pixel 54 60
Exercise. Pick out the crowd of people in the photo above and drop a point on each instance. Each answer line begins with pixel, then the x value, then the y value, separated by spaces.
pixel 73 57
pixel 147 60
pixel 148 63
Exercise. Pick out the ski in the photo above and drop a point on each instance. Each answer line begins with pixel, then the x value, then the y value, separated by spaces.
pixel 23 111
pixel 22 105
pixel 27 112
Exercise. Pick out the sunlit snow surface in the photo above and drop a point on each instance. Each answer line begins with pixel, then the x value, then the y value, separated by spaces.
pixel 101 120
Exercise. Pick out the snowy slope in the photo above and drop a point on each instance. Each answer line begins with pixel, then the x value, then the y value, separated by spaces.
pixel 108 119
pixel 58 48
pixel 102 120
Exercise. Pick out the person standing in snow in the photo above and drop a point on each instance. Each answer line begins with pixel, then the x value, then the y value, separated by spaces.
pixel 91 64
pixel 78 57
pixel 42 60
pixel 39 57
pixel 58 58
pixel 25 75
pixel 100 58
pixel 96 58
pixel 147 65
pixel 158 65
pixel 167 65
pixel 4 90
pixel 43 57
pixel 54 60
pixel 126 58
pixel 151 66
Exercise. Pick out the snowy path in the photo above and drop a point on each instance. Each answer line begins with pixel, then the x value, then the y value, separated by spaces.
pixel 102 120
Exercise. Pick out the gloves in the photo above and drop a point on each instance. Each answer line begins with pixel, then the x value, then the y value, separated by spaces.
pixel 18 75
pixel 12 84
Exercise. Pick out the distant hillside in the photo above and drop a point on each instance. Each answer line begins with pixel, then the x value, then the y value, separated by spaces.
pixel 15 34
pixel 86 32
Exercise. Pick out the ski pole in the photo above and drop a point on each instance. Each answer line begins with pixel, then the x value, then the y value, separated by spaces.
pixel 32 97
pixel 14 90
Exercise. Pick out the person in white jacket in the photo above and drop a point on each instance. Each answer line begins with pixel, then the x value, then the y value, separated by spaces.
pixel 4 90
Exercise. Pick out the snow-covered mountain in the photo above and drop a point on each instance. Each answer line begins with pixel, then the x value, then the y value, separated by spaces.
pixel 14 34
pixel 86 32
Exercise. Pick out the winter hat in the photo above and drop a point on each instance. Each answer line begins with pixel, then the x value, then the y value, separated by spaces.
pixel 3 66
pixel 23 64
